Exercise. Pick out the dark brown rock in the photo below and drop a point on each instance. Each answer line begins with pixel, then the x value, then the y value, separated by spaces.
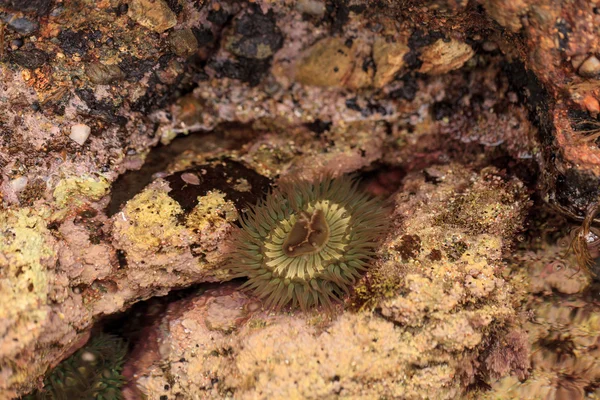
pixel 255 35
pixel 31 59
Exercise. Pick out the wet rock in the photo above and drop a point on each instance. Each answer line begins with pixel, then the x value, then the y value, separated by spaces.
pixel 228 177
pixel 183 42
pixel 40 7
pixel 245 69
pixel 425 331
pixel 174 231
pixel 311 7
pixel 327 63
pixel 73 42
pixel 16 44
pixel 22 25
pixel 331 62
pixel 442 57
pixel 389 59
pixel 507 13
pixel 31 59
pixel 155 15
pixel 590 68
pixel 103 74
pixel 190 111
pixel 223 101
pixel 255 35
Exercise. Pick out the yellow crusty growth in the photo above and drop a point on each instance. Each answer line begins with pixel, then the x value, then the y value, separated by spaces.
pixel 212 211
pixel 359 355
pixel 210 221
pixel 75 188
pixel 149 222
pixel 25 246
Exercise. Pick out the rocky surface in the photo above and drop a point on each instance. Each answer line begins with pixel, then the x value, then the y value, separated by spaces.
pixel 424 342
pixel 448 101
pixel 561 329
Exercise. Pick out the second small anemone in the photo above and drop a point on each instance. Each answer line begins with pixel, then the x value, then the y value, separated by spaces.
pixel 308 242
pixel 92 373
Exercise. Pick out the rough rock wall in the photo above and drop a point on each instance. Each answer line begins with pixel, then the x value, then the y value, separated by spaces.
pixel 292 87
pixel 439 294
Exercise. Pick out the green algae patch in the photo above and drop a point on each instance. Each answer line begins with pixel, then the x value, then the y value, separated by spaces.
pixel 25 248
pixel 77 188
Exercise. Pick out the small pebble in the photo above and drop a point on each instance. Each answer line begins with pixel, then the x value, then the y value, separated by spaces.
pixel 577 60
pixel 312 7
pixel 183 42
pixel 19 183
pixel 16 44
pixel 80 133
pixel 101 74
pixel 190 178
pixel 20 25
pixel 591 104
pixel 489 46
pixel 57 11
pixel 152 14
pixel 590 67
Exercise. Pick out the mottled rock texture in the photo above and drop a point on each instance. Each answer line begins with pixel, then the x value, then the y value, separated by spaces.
pixel 437 289
pixel 416 96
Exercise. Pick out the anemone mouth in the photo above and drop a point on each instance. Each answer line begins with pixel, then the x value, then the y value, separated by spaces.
pixel 309 234
pixel 308 242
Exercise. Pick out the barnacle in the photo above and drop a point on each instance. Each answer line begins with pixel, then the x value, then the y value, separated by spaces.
pixel 307 242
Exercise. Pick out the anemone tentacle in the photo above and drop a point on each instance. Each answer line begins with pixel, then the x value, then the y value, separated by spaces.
pixel 308 242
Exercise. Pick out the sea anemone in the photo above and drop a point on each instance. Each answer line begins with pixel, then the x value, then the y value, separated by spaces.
pixel 307 242
pixel 93 372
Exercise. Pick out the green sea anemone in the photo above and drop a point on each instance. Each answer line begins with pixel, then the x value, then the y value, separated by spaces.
pixel 307 242
pixel 93 372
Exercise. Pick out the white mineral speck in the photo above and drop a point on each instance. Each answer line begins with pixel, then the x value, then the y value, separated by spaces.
pixel 80 133
pixel 19 183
